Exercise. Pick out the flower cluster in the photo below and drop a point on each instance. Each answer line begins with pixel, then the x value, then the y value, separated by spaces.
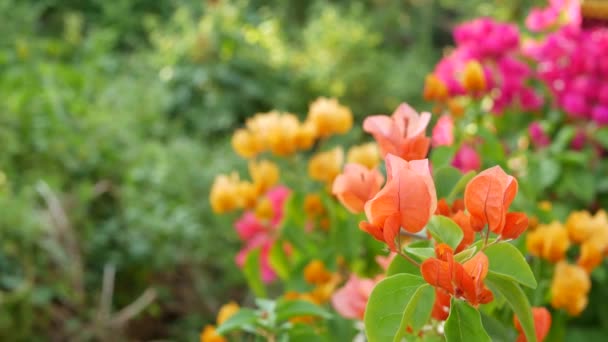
pixel 571 283
pixel 324 282
pixel 485 62
pixel 209 333
pixel 283 134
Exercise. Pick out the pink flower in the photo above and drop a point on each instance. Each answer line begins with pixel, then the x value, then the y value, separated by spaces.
pixel 600 115
pixel 350 300
pixel 443 132
pixel 257 234
pixel 579 140
pixel 538 135
pixel 466 159
pixel 385 261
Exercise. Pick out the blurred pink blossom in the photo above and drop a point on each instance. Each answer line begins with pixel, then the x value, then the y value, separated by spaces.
pixel 466 159
pixel 537 135
pixel 443 132
pixel 350 300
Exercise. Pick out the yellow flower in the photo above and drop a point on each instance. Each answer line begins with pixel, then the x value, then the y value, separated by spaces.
pixel 306 135
pixel 246 144
pixel 224 195
pixel 473 78
pixel 329 117
pixel 591 256
pixel 313 206
pixel 569 288
pixel 548 241
pixel 322 292
pixel 434 89
pixel 579 225
pixel 247 194
pixel 210 335
pixel 316 273
pixel 325 166
pixel 264 210
pixel 226 311
pixel 264 174
pixel 545 205
pixel 366 155
pixel 281 136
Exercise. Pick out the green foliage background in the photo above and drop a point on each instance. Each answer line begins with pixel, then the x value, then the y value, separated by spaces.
pixel 115 117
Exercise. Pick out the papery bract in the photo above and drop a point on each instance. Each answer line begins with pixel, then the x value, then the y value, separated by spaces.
pixel 542 324
pixel 356 185
pixel 407 200
pixel 401 134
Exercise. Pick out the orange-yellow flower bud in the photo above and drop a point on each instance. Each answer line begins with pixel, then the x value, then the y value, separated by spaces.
pixel 313 206
pixel 282 133
pixel 306 135
pixel 329 117
pixel 224 195
pixel 591 256
pixel 579 225
pixel 473 78
pixel 264 210
pixel 569 288
pixel 247 194
pixel 456 108
pixel 548 241
pixel 316 273
pixel 265 174
pixel 326 166
pixel 246 144
pixel 226 311
pixel 434 89
pixel 367 155
pixel 210 335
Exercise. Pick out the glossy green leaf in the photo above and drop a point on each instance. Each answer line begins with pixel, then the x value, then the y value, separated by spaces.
pixel 517 299
pixel 253 274
pixel 446 179
pixel 240 319
pixel 386 306
pixel 464 324
pixel 420 253
pixel 444 229
pixel 278 260
pixel 401 265
pixel 292 308
pixel 507 261
pixel 417 312
pixel 465 254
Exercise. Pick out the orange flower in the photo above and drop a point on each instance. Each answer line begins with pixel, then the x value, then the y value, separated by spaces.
pixel 356 185
pixel 210 335
pixel 401 134
pixel 246 144
pixel 542 324
pixel 441 307
pixel 548 241
pixel 462 281
pixel 591 256
pixel 473 78
pixel 569 288
pixel 226 311
pixel 316 273
pixel 434 88
pixel 329 117
pixel 325 166
pixel 264 173
pixel 407 200
pixel 313 205
pixel 487 197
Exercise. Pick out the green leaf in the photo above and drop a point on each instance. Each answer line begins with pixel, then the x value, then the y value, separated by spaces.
pixel 417 312
pixel 507 261
pixel 465 254
pixel 446 179
pixel 420 253
pixel 461 185
pixel 253 274
pixel 240 319
pixel 497 330
pixel 517 299
pixel 401 265
pixel 601 135
pixel 387 304
pixel 562 139
pixel 444 229
pixel 464 324
pixel 442 156
pixel 278 260
pixel 293 308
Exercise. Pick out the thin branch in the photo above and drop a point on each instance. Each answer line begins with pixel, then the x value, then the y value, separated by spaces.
pixel 107 292
pixel 134 309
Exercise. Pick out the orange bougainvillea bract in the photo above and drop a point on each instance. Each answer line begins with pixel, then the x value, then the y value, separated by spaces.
pixel 356 185
pixel 542 324
pixel 487 197
pixel 459 280
pixel 402 134
pixel 407 200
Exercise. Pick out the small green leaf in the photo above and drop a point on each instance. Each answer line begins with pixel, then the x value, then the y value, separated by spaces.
pixel 417 312
pixel 464 324
pixel 465 254
pixel 253 274
pixel 243 317
pixel 387 304
pixel 497 330
pixel 401 265
pixel 278 260
pixel 443 229
pixel 461 185
pixel 507 261
pixel 446 179
pixel 420 253
pixel 442 156
pixel 293 308
pixel 517 299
